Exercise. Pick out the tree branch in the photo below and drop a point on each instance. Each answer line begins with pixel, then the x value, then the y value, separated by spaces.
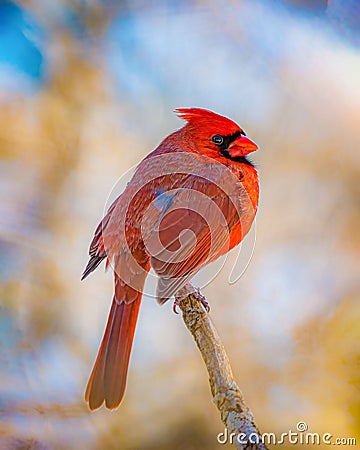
pixel 227 396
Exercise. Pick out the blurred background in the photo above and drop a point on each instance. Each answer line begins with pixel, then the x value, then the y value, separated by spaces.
pixel 87 89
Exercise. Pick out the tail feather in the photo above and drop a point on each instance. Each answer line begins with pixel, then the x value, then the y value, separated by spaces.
pixel 107 381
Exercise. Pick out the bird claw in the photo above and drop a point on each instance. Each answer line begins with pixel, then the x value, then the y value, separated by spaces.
pixel 182 296
pixel 177 304
pixel 203 300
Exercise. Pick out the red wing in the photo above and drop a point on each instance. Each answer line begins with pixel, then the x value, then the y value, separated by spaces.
pixel 97 250
pixel 190 227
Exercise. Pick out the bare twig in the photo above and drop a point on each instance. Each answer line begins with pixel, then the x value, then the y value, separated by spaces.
pixel 236 416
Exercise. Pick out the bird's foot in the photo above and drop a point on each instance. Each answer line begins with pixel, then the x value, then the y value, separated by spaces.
pixel 203 300
pixel 184 292
pixel 177 302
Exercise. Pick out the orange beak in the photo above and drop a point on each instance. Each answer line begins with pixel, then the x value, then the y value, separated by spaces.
pixel 242 146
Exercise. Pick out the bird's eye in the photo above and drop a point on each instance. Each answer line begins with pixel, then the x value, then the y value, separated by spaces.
pixel 217 139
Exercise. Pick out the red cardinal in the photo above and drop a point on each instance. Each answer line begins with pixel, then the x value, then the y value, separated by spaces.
pixel 191 200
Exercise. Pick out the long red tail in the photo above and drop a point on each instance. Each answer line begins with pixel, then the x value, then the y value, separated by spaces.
pixel 108 378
